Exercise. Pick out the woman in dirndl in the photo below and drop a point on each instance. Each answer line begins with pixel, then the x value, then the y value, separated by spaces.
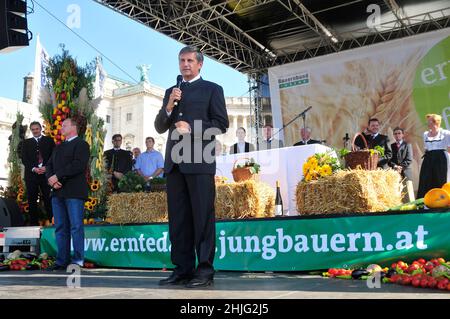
pixel 434 171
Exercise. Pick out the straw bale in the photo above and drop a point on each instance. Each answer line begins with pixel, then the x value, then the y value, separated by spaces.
pixel 126 208
pixel 350 191
pixel 247 199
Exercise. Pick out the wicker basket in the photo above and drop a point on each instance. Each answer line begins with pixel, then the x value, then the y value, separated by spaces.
pixel 158 187
pixel 361 158
pixel 242 173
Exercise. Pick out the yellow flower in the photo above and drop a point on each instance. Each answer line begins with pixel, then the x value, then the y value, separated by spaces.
pixel 326 170
pixel 308 177
pixel 306 167
pixel 305 170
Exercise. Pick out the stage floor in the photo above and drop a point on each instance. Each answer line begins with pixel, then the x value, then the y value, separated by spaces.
pixel 143 284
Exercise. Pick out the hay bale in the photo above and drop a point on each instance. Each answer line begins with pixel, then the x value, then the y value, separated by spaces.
pixel 224 204
pixel 247 199
pixel 350 191
pixel 126 208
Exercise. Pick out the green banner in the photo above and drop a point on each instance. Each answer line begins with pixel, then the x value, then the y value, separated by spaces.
pixel 279 244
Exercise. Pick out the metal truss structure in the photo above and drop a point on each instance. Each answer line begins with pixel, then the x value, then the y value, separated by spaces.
pixel 254 35
pixel 222 29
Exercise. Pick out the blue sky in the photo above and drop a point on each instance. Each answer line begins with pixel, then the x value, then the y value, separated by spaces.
pixel 124 41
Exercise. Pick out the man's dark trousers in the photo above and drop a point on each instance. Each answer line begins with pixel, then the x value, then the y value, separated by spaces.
pixel 33 185
pixel 191 202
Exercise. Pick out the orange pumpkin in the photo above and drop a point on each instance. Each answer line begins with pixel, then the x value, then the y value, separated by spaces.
pixel 446 187
pixel 437 198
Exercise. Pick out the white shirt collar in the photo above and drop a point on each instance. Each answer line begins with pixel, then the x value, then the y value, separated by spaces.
pixel 72 138
pixel 194 79
pixel 36 138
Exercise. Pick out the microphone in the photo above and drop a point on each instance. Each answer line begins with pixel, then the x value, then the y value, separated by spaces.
pixel 304 112
pixel 179 81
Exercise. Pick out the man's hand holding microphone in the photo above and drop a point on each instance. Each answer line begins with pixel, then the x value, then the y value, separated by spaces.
pixel 182 126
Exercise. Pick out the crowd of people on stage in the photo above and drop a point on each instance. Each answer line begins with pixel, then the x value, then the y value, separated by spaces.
pixel 36 152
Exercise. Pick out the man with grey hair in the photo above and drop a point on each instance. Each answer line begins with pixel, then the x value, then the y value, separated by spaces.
pixel 193 112
pixel 306 137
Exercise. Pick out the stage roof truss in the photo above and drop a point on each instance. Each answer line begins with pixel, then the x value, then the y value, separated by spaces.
pixel 253 35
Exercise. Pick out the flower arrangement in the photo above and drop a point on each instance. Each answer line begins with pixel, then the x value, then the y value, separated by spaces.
pixel 251 165
pixel 320 165
pixel 69 92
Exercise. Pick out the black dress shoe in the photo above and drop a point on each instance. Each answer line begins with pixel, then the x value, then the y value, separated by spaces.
pixel 175 279
pixel 199 282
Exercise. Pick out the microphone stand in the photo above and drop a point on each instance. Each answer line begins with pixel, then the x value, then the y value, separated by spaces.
pixel 302 114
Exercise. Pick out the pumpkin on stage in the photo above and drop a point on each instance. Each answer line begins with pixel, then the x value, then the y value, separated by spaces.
pixel 446 187
pixel 437 198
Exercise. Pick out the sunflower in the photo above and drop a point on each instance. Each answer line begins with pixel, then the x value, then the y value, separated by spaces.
pixel 95 185
pixel 326 170
pixel 305 170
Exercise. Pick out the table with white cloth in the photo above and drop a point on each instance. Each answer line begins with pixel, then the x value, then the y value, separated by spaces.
pixel 282 164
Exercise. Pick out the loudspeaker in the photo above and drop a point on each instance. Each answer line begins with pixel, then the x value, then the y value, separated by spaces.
pixel 13 25
pixel 10 215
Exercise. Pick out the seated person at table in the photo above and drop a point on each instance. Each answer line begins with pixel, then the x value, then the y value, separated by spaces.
pixel 241 146
pixel 306 137
pixel 269 142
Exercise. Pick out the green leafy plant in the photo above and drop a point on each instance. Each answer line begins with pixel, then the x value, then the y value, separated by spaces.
pixel 379 150
pixel 132 183
pixel 158 181
pixel 342 152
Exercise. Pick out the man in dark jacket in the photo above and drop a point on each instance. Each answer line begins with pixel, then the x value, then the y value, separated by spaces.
pixel 194 112
pixel 66 173
pixel 36 152
pixel 374 138
pixel 118 161
pixel 402 155
pixel 305 133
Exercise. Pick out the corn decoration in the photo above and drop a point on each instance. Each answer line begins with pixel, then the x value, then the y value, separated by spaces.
pixel 63 88
pixel 320 165
pixel 73 94
pixel 16 189
pixel 95 137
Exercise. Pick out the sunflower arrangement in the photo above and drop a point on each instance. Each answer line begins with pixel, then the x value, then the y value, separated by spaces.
pixel 320 165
